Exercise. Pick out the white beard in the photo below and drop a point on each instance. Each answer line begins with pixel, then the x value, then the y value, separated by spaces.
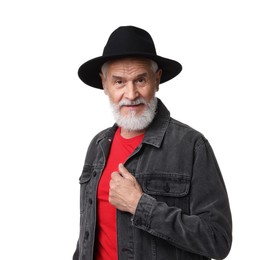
pixel 132 122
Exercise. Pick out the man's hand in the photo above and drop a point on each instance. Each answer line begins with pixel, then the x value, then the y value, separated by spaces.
pixel 125 192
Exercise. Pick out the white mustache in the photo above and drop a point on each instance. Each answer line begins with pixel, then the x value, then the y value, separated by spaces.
pixel 126 102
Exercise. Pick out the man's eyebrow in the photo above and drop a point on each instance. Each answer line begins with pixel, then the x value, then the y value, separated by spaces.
pixel 116 77
pixel 137 76
pixel 142 75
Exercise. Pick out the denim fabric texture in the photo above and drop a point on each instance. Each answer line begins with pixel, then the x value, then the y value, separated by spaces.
pixel 184 212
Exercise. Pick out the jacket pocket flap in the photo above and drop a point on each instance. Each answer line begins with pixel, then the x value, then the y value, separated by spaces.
pixel 171 184
pixel 86 174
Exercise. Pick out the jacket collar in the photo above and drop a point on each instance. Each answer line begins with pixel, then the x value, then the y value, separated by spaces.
pixel 155 132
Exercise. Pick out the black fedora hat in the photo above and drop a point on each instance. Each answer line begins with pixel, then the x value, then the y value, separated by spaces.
pixel 127 41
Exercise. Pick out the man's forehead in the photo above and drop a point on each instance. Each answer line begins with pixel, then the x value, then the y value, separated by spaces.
pixel 129 66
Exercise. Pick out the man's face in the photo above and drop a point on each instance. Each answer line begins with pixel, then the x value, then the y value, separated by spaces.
pixel 131 85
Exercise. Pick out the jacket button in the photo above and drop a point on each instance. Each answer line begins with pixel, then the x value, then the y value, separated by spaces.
pixel 138 222
pixel 86 235
pixel 90 201
pixel 94 174
pixel 166 188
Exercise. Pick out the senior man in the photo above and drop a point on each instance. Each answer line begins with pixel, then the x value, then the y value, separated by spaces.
pixel 151 187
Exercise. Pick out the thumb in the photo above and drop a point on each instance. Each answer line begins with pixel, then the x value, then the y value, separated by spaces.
pixel 123 171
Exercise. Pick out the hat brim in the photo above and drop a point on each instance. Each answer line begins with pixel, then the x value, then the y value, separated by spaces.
pixel 90 70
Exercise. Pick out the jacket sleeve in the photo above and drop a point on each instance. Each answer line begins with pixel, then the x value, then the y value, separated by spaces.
pixel 207 230
pixel 76 253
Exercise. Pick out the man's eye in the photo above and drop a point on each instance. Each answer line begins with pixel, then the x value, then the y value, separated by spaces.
pixel 119 82
pixel 141 80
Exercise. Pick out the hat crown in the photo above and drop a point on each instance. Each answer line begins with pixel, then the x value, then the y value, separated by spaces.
pixel 127 40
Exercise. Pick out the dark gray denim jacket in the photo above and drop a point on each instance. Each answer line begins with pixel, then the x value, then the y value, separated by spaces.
pixel 184 212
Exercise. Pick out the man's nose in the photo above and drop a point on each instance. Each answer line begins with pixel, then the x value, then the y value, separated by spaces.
pixel 131 91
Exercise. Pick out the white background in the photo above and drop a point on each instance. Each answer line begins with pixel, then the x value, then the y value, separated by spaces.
pixel 227 90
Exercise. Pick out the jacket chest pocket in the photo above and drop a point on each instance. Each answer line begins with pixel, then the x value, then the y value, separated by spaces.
pixel 84 181
pixel 171 188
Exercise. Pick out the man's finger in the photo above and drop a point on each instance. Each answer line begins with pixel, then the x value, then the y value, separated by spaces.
pixel 116 175
pixel 123 171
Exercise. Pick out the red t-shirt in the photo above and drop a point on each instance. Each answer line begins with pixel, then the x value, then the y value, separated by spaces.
pixel 106 235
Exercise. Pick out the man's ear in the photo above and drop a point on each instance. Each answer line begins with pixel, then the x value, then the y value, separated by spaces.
pixel 158 78
pixel 103 83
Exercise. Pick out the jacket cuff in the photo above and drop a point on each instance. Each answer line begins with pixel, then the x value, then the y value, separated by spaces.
pixel 142 216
